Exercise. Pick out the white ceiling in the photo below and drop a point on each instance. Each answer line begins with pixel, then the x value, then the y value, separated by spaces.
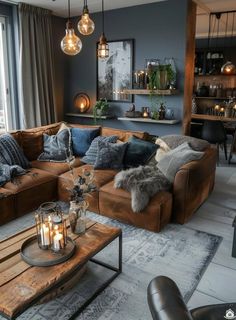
pixel 59 7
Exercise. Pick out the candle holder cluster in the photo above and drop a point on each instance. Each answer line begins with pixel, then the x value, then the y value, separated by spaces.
pixel 51 227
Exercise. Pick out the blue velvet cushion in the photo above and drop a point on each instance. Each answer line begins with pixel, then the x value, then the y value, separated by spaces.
pixel 57 148
pixel 91 154
pixel 82 139
pixel 11 153
pixel 110 155
pixel 138 152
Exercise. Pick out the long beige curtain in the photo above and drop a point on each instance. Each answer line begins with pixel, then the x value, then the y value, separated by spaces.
pixel 36 66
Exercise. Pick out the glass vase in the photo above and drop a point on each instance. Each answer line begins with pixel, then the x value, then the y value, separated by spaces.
pixel 77 216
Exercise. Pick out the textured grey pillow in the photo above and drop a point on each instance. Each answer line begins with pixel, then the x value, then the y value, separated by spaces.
pixel 110 155
pixel 176 158
pixel 57 148
pixel 175 140
pixel 91 153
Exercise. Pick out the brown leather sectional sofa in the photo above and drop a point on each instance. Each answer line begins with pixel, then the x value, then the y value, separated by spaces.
pixel 49 181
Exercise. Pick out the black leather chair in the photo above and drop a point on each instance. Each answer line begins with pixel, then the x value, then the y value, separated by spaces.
pixel 166 303
pixel 214 132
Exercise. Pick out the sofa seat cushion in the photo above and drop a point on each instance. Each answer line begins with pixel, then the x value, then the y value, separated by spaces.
pixel 101 177
pixel 116 204
pixel 56 168
pixel 27 181
pixel 7 205
pixel 33 189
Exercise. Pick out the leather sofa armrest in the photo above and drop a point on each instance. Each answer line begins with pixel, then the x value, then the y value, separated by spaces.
pixel 193 183
pixel 165 300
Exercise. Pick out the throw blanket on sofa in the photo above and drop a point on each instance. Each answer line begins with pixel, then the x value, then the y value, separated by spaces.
pixel 143 183
pixel 12 160
pixel 9 173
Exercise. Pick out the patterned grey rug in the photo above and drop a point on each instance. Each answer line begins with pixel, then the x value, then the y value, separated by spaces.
pixel 178 252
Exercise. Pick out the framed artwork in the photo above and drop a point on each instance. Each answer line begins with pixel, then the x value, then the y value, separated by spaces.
pixel 114 74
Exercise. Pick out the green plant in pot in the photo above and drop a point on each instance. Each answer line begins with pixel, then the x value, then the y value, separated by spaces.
pixel 100 109
pixel 164 75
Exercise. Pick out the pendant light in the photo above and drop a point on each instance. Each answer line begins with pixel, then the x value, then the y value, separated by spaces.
pixel 70 44
pixel 103 48
pixel 86 26
pixel 229 67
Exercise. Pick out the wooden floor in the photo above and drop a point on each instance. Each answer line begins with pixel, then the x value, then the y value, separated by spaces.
pixel 218 283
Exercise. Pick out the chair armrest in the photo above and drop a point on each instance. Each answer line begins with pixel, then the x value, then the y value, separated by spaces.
pixel 213 312
pixel 165 300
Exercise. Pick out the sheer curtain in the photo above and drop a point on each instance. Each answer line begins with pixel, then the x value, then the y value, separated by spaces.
pixel 36 66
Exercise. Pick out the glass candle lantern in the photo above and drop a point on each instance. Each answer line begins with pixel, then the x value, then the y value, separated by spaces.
pixel 145 112
pixel 58 232
pixel 44 224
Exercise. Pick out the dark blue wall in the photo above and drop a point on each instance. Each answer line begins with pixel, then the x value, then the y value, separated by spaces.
pixel 159 31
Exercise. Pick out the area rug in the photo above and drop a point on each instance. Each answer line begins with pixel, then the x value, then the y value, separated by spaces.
pixel 178 252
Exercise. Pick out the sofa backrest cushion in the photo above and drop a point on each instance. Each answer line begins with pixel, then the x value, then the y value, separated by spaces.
pixel 175 140
pixel 32 139
pixel 123 135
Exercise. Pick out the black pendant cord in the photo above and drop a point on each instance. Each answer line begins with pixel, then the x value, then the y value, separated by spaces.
pixel 103 24
pixel 209 32
pixel 68 10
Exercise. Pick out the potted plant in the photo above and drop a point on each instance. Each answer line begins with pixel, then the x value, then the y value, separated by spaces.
pixel 100 109
pixel 161 77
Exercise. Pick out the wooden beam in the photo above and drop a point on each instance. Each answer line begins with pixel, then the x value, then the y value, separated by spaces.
pixel 189 65
pixel 202 6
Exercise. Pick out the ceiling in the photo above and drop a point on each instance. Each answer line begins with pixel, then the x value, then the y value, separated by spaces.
pixel 59 8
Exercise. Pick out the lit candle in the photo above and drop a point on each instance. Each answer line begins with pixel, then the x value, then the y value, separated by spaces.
pixel 57 241
pixel 45 237
pixel 222 109
pixel 217 107
pixel 145 114
pixel 82 107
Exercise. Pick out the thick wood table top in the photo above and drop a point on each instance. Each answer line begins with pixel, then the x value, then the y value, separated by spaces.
pixel 21 284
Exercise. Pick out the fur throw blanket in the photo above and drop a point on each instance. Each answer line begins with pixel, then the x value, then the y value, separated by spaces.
pixel 10 173
pixel 143 183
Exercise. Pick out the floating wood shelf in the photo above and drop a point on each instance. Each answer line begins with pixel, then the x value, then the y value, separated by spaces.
pixel 148 120
pixel 211 117
pixel 213 98
pixel 169 92
pixel 88 115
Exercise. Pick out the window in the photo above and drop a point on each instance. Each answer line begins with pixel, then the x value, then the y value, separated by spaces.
pixel 5 101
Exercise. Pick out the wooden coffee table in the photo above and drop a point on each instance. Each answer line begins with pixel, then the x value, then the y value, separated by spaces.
pixel 22 285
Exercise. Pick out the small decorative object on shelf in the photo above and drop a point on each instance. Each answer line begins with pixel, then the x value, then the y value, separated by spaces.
pixel 217 110
pixel 58 232
pixel 82 102
pixel 194 104
pixel 162 112
pixel 222 111
pixel 145 112
pixel 131 113
pixel 169 115
pixel 140 79
pixel 44 224
pixel 101 108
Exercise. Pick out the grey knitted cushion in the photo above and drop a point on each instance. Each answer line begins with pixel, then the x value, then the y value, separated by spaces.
pixel 91 154
pixel 110 155
pixel 175 140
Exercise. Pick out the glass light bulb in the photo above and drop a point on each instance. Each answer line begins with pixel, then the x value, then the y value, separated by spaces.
pixel 71 44
pixel 228 68
pixel 86 26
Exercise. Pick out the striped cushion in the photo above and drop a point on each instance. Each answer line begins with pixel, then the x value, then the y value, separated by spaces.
pixel 91 154
pixel 11 153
